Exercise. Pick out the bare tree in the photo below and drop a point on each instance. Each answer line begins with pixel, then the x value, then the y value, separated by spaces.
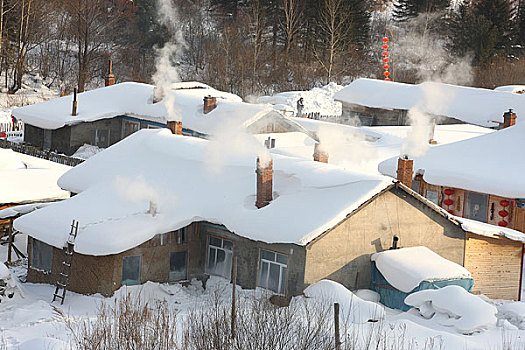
pixel 291 24
pixel 334 26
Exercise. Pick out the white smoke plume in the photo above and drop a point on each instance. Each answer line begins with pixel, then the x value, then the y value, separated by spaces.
pixel 417 50
pixel 137 190
pixel 166 72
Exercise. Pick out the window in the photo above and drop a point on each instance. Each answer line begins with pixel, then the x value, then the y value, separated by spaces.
pixel 131 270
pixel 432 196
pixel 179 236
pixel 41 256
pixel 272 271
pixel 129 127
pixel 100 138
pixel 178 266
pixel 476 205
pixel 219 257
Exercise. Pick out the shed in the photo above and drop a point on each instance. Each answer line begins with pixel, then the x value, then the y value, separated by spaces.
pixel 398 273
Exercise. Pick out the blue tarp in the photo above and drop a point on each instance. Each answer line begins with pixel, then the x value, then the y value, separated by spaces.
pixel 395 299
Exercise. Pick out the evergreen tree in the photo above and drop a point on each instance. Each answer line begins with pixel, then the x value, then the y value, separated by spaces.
pixel 406 9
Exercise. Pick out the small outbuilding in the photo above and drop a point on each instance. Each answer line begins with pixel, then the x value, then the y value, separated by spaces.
pixel 398 273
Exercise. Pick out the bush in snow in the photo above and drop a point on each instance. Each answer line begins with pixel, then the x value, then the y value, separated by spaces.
pixel 455 307
pixel 7 283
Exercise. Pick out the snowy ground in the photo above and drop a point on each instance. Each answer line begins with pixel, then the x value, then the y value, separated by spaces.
pixel 31 321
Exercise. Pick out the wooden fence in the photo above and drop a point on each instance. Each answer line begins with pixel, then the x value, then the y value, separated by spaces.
pixel 35 152
pixel 8 127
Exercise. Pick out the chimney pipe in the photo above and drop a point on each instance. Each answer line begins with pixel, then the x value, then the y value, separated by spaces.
pixel 319 154
pixel 209 104
pixel 509 119
pixel 405 170
pixel 394 242
pixel 110 78
pixel 175 127
pixel 264 183
pixel 432 130
pixel 74 111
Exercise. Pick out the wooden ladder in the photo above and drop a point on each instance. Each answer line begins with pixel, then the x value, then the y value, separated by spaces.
pixel 63 277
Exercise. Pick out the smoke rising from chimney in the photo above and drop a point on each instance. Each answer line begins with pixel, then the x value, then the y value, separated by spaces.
pixel 166 72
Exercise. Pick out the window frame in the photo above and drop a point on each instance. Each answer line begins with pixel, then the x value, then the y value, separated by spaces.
pixel 95 139
pixel 208 247
pixel 185 266
pixel 139 281
pixel 466 203
pixel 40 244
pixel 131 123
pixel 282 289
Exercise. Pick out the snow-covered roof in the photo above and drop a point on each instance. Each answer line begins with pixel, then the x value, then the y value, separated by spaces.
pixel 487 163
pixel 190 179
pixel 406 268
pixel 478 106
pixel 517 89
pixel 26 179
pixel 363 148
pixel 135 100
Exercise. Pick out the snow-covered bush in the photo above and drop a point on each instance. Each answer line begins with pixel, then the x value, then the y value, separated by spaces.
pixel 7 283
pixel 453 306
pixel 353 308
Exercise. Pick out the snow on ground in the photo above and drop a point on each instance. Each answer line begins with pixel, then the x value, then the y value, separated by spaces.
pixel 453 306
pixel 317 100
pixel 517 89
pixel 352 307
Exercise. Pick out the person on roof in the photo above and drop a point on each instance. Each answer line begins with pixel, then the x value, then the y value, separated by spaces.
pixel 300 107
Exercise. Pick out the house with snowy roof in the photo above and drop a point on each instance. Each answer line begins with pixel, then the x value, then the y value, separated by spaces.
pixel 104 116
pixel 163 207
pixel 378 102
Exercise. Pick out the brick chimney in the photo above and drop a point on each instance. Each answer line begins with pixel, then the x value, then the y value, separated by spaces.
pixel 405 170
pixel 175 127
pixel 509 119
pixel 110 78
pixel 74 111
pixel 209 104
pixel 264 183
pixel 319 154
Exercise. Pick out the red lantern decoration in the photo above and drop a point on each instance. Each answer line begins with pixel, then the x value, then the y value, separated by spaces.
pixel 385 39
pixel 386 74
pixel 504 203
pixel 386 66
pixel 450 211
pixel 386 59
pixel 449 192
pixel 503 223
pixel 385 46
pixel 385 53
pixel 387 79
pixel 448 202
pixel 503 213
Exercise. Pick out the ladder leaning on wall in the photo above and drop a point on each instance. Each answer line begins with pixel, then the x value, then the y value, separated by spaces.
pixel 63 277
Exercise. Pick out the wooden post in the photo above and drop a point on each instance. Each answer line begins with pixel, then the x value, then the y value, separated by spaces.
pixel 234 281
pixel 336 321
pixel 10 240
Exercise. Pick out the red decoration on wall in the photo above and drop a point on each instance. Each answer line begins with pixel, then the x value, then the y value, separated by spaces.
pixel 504 203
pixel 448 202
pixel 385 39
pixel 449 191
pixel 386 59
pixel 503 223
pixel 503 213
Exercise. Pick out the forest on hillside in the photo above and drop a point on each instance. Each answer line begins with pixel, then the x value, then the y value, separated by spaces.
pixel 253 47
